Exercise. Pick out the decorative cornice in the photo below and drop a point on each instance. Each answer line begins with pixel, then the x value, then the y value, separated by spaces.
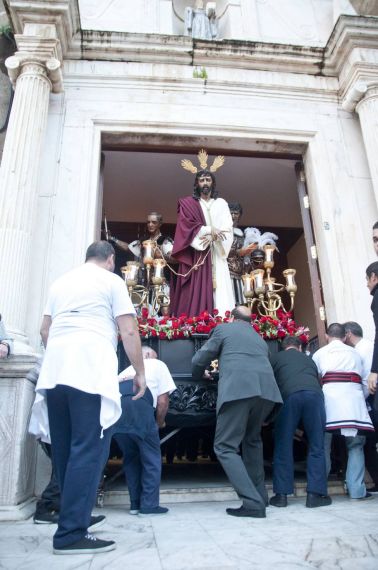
pixel 63 14
pixel 350 56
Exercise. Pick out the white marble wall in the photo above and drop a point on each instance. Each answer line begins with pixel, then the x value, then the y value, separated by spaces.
pixel 298 22
pixel 118 97
pixel 17 447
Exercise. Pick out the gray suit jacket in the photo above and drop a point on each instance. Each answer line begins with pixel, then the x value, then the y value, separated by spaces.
pixel 244 367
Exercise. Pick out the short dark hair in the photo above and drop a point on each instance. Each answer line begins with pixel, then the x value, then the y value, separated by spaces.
pixel 375 227
pixel 372 268
pixel 158 216
pixel 239 315
pixel 235 207
pixel 100 250
pixel 336 330
pixel 354 328
pixel 291 341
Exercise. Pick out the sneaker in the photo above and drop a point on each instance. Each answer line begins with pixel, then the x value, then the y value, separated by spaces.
pixel 278 500
pixel 96 522
pixel 89 544
pixel 366 497
pixel 46 518
pixel 314 500
pixel 373 489
pixel 134 508
pixel 154 511
pixel 244 512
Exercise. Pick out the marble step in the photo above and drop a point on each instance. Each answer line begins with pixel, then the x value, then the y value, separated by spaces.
pixel 195 494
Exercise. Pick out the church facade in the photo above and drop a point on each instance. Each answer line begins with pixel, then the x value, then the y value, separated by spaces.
pixel 298 81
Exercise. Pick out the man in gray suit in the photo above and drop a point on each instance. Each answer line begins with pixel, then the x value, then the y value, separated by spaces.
pixel 247 396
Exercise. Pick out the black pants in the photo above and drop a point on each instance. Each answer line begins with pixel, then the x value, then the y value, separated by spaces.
pixel 50 498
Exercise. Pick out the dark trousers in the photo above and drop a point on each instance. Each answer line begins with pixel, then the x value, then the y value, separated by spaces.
pixel 370 449
pixel 142 467
pixel 306 406
pixel 239 424
pixel 79 455
pixel 50 498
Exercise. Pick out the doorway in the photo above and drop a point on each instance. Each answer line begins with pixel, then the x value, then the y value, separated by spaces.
pixel 137 181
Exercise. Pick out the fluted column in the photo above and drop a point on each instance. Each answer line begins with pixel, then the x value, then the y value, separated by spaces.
pixel 367 110
pixel 34 75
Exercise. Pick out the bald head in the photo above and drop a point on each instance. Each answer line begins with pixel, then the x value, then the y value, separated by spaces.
pixel 148 352
pixel 241 313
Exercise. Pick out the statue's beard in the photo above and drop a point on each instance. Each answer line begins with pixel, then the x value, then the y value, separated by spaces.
pixel 206 190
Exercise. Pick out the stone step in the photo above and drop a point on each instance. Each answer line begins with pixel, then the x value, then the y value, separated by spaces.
pixel 197 494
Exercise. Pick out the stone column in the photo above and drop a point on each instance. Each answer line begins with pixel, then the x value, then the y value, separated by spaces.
pixel 367 110
pixel 34 71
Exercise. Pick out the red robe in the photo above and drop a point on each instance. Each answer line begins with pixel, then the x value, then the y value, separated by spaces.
pixel 192 294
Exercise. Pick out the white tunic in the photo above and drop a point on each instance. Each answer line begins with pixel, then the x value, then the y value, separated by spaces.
pixel 217 215
pixel 344 402
pixel 81 348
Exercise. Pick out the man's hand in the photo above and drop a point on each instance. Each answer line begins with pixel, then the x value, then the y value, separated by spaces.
pixel 372 382
pixel 139 382
pixel 4 348
pixel 218 234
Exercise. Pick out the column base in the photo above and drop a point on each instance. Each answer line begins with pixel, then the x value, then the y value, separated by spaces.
pixel 19 512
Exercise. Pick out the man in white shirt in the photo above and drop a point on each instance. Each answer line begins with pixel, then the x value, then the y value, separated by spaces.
pixel 79 383
pixel 137 433
pixel 340 369
pixel 365 348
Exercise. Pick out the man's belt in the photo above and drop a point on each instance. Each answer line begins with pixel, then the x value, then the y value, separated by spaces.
pixel 341 377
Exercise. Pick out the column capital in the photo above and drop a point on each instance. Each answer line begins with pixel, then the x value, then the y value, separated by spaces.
pixel 359 92
pixel 38 54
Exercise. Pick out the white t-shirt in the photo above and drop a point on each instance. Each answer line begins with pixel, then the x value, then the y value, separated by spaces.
pixel 81 348
pixel 158 377
pixel 88 299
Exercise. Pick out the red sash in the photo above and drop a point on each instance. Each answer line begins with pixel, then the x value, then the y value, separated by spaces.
pixel 341 377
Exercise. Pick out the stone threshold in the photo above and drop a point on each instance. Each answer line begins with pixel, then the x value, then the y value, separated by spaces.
pixel 189 494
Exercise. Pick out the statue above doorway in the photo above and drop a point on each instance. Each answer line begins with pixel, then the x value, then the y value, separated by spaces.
pixel 200 22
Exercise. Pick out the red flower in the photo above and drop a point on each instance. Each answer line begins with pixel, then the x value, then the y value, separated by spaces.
pixel 162 334
pixel 144 312
pixel 281 334
pixel 227 314
pixel 215 312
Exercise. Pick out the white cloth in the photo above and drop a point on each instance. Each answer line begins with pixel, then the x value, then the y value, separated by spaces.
pixel 217 215
pixel 365 349
pixel 344 402
pixel 158 377
pixel 81 348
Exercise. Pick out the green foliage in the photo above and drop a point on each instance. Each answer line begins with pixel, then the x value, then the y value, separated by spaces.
pixel 6 31
pixel 200 73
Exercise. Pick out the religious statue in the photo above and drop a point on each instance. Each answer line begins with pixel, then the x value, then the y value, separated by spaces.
pixel 238 258
pixel 161 248
pixel 201 245
pixel 200 22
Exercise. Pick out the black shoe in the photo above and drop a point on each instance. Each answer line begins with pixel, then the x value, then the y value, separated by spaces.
pixel 314 500
pixel 46 518
pixel 96 522
pixel 244 512
pixel 278 500
pixel 373 489
pixel 154 511
pixel 89 544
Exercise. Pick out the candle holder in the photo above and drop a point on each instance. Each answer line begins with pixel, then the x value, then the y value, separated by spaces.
pixel 248 291
pixel 266 292
pixel 149 247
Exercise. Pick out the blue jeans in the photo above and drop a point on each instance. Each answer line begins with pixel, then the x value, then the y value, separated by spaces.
pixel 142 467
pixel 355 472
pixel 306 406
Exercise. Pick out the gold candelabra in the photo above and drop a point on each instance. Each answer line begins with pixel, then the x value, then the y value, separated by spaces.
pixel 262 291
pixel 153 295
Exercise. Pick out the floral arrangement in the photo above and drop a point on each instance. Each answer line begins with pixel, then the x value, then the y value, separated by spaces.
pixel 172 328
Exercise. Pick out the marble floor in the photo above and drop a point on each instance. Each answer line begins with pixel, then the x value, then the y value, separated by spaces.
pixel 343 536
